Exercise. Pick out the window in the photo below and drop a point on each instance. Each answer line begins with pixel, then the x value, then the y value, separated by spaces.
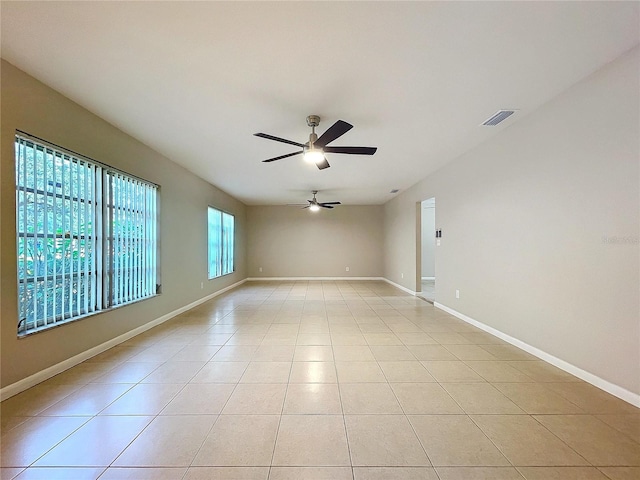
pixel 221 239
pixel 86 236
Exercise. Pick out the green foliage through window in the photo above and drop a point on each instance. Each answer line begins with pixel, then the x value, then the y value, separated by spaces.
pixel 86 235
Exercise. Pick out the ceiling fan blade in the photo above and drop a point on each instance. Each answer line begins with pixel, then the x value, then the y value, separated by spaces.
pixel 323 164
pixel 334 131
pixel 278 139
pixel 325 206
pixel 351 150
pixel 329 203
pixel 282 156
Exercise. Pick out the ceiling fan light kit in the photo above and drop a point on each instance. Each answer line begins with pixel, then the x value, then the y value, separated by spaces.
pixel 315 149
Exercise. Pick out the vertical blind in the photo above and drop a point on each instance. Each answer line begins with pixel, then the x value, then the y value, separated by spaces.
pixel 86 235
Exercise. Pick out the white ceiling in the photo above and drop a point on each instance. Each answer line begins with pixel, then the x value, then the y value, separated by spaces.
pixel 195 80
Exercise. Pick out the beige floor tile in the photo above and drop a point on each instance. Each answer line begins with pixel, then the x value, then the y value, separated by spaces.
pixel 310 473
pixel 445 338
pixel 498 371
pixel 80 374
pixel 431 352
pixel 482 338
pixel 142 473
pixel 469 352
pixel 562 473
pixel 80 449
pixel 383 440
pixel 128 372
pixel 591 399
pixel 541 371
pixel 199 399
pixel 416 338
pixel 313 353
pixel 451 371
pixel 368 398
pixel 160 353
pixel 213 337
pixel 481 398
pixel 8 423
pixel 454 440
pixel 621 473
pixel 312 398
pixel 353 353
pixel 169 441
pixel 536 398
pixel 394 473
pixel 311 440
pixel 87 400
pixel 391 353
pixel 313 339
pixel 174 372
pixel 627 424
pixel 359 372
pixel 143 399
pixel 36 399
pixel 347 338
pixel 195 353
pixel 313 372
pixel 245 339
pixel 235 353
pixel 273 353
pixel 220 372
pixel 253 398
pixel 596 441
pixel 266 372
pixel 60 473
pixel 288 339
pixel 478 473
pixel 425 398
pixel 413 372
pixel 378 338
pixel 227 473
pixel 239 441
pixel 525 442
pixel 27 442
pixel 507 352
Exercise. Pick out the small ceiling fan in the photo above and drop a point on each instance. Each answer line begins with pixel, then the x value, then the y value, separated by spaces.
pixel 314 205
pixel 314 150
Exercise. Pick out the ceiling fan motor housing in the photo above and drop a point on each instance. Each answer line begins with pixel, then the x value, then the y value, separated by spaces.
pixel 313 120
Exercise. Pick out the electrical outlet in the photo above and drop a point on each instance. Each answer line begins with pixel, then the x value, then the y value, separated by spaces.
pixel 402 275
pixel 457 293
pixel 260 269
pixel 346 269
pixel 201 285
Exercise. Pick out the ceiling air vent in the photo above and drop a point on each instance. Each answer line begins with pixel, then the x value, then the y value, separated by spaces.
pixel 498 117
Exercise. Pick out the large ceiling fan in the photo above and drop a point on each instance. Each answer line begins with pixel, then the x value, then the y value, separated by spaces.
pixel 314 205
pixel 316 147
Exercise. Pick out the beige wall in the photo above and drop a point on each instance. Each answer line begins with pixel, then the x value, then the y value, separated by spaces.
pixel 523 219
pixel 294 242
pixel 36 109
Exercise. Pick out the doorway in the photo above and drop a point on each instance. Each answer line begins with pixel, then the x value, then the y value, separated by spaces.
pixel 428 249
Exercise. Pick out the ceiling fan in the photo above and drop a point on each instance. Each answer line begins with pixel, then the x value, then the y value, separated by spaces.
pixel 314 150
pixel 314 205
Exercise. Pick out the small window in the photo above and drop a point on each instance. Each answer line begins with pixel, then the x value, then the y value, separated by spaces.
pixel 86 236
pixel 220 243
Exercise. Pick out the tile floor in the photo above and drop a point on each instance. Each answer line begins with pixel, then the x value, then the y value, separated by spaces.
pixel 317 380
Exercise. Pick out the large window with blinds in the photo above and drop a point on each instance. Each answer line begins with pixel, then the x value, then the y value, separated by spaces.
pixel 87 236
pixel 220 242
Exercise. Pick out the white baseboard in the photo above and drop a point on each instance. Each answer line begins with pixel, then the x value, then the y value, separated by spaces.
pixel 404 289
pixel 41 376
pixel 290 279
pixel 612 388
